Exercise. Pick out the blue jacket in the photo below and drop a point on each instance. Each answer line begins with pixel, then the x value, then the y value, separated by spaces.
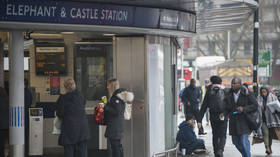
pixel 186 137
pixel 191 94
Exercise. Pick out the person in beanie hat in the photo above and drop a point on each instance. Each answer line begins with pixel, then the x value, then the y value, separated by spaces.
pixel 215 101
pixel 187 138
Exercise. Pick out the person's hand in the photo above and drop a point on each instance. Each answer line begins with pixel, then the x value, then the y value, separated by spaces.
pixel 199 125
pixel 221 116
pixel 198 100
pixel 188 103
pixel 240 109
pixel 101 105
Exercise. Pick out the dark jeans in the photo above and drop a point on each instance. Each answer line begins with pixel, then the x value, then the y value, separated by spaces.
pixel 116 146
pixel 80 149
pixel 219 131
pixel 195 113
pixel 4 133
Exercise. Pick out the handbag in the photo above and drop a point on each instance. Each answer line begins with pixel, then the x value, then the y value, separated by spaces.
pixel 127 111
pixel 99 115
pixel 274 106
pixel 254 119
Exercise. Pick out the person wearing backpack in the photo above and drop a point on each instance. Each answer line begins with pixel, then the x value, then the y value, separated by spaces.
pixel 215 100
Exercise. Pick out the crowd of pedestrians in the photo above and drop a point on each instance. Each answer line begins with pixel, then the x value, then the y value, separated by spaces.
pixel 229 107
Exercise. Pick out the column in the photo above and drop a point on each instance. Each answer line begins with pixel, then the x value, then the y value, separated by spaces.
pixel 16 93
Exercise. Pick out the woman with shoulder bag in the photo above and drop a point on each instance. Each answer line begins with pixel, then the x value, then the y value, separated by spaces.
pixel 114 115
pixel 271 117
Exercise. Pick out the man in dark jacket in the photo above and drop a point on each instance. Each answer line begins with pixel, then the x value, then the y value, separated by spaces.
pixel 239 102
pixel 215 101
pixel 74 127
pixel 187 138
pixel 4 119
pixel 191 98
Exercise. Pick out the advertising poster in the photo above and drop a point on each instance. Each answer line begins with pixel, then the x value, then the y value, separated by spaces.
pixel 54 85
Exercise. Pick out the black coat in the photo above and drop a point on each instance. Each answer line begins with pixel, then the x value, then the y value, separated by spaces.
pixel 237 122
pixel 114 116
pixel 71 110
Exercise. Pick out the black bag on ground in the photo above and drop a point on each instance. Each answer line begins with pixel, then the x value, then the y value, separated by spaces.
pixel 254 119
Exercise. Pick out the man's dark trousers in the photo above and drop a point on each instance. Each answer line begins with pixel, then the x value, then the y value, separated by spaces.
pixel 219 131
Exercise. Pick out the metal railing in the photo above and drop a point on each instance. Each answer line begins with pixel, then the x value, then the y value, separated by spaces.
pixel 167 152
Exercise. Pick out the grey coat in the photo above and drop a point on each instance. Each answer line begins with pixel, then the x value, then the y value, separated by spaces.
pixel 237 123
pixel 74 126
pixel 271 113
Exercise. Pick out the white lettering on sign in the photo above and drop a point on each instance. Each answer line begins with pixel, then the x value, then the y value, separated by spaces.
pixel 114 15
pixel 84 13
pixel 30 10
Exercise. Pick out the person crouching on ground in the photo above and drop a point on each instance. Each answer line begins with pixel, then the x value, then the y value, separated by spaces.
pixel 187 138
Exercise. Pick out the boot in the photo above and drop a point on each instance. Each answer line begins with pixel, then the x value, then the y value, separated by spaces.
pixel 268 150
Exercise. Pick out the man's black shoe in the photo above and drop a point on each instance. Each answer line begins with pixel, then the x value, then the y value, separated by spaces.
pixel 202 133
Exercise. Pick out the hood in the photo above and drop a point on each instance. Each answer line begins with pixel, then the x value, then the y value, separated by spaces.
pixel 183 125
pixel 217 86
pixel 126 96
pixel 266 88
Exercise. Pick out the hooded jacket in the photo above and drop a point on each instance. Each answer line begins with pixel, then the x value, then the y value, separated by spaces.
pixel 186 137
pixel 114 113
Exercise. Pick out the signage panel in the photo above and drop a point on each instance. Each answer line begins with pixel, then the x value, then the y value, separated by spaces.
pixel 65 12
pixel 50 60
pixel 264 63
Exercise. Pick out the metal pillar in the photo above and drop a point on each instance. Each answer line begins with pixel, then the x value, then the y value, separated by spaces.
pixel 256 51
pixel 228 44
pixel 16 93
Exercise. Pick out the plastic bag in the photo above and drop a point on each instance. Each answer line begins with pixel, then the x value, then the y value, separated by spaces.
pixel 56 126
pixel 99 115
pixel 127 111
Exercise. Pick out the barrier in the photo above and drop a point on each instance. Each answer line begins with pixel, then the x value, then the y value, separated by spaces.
pixel 167 152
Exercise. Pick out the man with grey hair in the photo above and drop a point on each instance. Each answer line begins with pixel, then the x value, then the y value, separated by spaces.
pixel 239 101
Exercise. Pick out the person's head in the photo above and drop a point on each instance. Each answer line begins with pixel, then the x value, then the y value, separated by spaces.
pixel 190 120
pixel 206 82
pixel 193 82
pixel 264 91
pixel 69 85
pixel 112 85
pixel 215 80
pixel 236 84
pixel 25 83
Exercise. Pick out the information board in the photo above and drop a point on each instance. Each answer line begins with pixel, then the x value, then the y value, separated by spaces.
pixel 50 61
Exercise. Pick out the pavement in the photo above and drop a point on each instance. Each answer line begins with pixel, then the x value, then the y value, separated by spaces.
pixel 257 150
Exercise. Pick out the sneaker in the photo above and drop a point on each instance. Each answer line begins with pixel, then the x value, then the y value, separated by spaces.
pixel 201 151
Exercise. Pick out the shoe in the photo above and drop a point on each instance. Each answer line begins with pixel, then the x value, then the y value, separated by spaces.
pixel 201 151
pixel 268 150
pixel 202 133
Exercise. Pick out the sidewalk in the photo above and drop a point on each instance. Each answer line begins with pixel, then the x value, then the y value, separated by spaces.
pixel 257 150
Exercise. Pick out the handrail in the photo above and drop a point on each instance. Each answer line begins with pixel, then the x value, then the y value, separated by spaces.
pixel 160 154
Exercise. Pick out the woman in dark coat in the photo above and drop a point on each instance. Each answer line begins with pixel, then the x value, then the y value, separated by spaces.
pixel 74 126
pixel 114 115
pixel 4 119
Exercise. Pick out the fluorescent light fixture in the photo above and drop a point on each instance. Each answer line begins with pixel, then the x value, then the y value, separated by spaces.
pixel 108 34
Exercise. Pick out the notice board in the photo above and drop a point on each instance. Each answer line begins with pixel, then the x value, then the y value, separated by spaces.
pixel 50 60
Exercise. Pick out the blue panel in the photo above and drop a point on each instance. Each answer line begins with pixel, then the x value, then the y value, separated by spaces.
pixel 146 17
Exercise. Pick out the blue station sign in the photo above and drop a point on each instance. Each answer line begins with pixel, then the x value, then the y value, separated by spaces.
pixel 64 12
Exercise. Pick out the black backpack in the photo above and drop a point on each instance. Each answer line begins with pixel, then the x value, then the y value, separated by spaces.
pixel 216 100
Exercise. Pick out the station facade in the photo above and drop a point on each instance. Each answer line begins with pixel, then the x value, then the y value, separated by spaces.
pixel 92 42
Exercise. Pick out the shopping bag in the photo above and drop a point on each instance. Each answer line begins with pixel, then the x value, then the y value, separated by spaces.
pixel 127 111
pixel 99 115
pixel 254 119
pixel 56 126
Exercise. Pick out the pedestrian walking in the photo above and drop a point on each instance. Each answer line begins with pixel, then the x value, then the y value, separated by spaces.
pixel 215 101
pixel 271 118
pixel 114 115
pixel 191 98
pixel 239 101
pixel 4 120
pixel 70 110
pixel 27 105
